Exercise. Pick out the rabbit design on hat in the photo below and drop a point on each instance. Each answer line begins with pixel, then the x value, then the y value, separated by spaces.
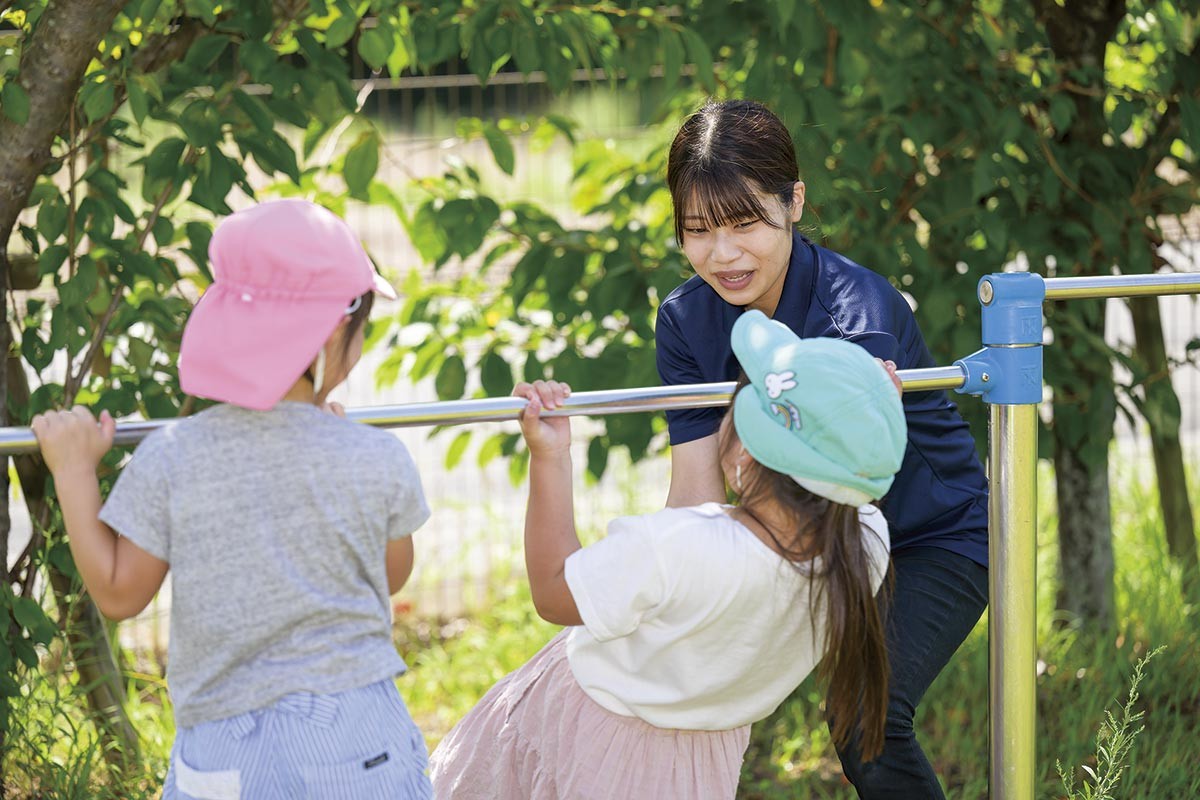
pixel 779 382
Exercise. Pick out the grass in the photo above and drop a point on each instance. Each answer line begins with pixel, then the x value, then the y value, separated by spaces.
pixel 1081 679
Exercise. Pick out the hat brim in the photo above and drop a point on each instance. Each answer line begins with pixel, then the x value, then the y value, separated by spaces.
pixel 380 286
pixel 250 352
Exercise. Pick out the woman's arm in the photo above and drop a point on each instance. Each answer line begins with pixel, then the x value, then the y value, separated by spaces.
pixel 550 535
pixel 121 577
pixel 696 474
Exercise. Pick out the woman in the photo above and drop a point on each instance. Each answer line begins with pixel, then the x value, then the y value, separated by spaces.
pixel 737 195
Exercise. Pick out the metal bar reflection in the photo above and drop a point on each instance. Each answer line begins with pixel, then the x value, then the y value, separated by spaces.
pixel 502 409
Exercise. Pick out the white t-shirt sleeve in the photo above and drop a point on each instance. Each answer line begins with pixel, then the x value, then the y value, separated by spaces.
pixel 618 582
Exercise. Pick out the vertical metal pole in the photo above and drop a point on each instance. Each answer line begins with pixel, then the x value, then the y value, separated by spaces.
pixel 1012 608
pixel 1007 372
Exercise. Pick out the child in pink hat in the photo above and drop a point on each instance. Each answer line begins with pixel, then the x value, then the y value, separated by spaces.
pixel 285 528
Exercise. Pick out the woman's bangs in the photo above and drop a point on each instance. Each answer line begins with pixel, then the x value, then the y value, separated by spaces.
pixel 715 200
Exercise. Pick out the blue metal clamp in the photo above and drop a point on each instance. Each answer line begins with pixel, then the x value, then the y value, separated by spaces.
pixel 1008 370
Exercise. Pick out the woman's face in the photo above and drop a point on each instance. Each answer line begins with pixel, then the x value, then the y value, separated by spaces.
pixel 745 261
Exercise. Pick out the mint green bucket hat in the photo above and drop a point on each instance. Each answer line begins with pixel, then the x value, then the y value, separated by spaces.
pixel 822 411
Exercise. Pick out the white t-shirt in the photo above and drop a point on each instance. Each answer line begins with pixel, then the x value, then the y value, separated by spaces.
pixel 691 622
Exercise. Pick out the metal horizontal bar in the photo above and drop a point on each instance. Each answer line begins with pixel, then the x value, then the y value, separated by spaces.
pixel 502 409
pixel 1122 286
pixel 924 380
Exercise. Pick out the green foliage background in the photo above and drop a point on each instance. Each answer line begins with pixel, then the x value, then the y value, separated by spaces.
pixel 940 140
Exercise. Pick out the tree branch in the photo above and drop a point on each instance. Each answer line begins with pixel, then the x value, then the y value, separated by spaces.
pixel 52 66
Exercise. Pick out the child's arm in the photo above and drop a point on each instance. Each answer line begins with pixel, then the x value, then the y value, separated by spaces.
pixel 399 558
pixel 121 577
pixel 550 516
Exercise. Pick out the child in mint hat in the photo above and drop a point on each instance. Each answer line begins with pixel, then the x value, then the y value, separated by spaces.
pixel 689 624
pixel 285 528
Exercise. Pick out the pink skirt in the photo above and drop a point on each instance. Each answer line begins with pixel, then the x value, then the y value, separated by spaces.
pixel 537 736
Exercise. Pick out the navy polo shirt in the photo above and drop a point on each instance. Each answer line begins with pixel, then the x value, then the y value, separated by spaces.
pixel 939 497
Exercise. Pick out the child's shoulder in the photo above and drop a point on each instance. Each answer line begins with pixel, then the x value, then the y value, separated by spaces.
pixel 678 525
pixel 672 516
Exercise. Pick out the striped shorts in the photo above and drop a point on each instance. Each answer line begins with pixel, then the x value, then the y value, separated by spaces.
pixel 355 745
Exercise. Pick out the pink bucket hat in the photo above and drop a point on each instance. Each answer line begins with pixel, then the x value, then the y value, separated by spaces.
pixel 284 273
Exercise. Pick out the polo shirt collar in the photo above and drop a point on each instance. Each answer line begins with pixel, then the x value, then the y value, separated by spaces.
pixel 797 284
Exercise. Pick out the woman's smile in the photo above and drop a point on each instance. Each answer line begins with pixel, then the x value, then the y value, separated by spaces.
pixel 735 281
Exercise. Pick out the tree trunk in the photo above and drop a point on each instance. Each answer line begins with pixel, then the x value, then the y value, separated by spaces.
pixel 1161 409
pixel 1084 396
pixel 1082 428
pixel 87 635
pixel 1085 586
pixel 5 518
pixel 52 65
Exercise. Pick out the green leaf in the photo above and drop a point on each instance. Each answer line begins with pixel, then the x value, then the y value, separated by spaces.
pixel 273 153
pixel 374 46
pixel 34 350
pixel 255 109
pixel 457 449
pixel 25 652
pixel 1122 116
pixel 97 100
pixel 451 380
pixel 597 457
pixel 200 124
pixel 496 375
pixel 427 234
pixel 1189 115
pixel 700 55
pixel 52 219
pixel 786 9
pixel 199 234
pixel 77 290
pixel 15 100
pixel 981 177
pixel 342 28
pixel 51 259
pixel 479 59
pixel 502 149
pixel 490 448
pixel 27 612
pixel 673 56
pixel 362 160
pixel 1062 111
pixel 139 101
pixel 205 50
pixel 466 222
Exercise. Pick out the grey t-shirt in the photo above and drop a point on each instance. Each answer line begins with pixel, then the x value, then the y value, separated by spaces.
pixel 275 525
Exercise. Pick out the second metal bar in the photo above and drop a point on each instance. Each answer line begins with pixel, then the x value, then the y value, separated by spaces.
pixel 1122 286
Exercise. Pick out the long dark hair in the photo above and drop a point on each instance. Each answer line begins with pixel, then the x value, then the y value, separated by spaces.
pixel 855 667
pixel 723 157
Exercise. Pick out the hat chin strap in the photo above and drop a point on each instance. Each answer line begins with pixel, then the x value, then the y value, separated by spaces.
pixel 832 491
pixel 319 373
